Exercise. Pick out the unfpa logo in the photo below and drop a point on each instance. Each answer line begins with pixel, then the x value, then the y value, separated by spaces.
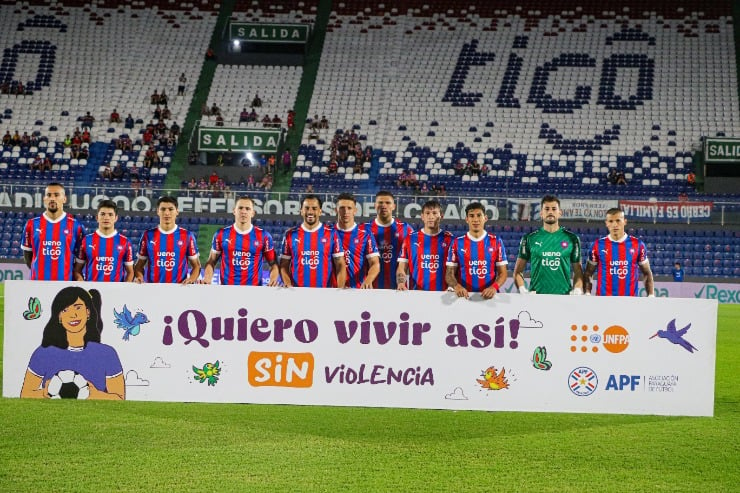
pixel 614 339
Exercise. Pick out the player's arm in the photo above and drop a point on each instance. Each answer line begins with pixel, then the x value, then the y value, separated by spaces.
pixel 210 267
pixel 519 267
pixel 577 278
pixel 77 270
pixel 129 269
pixel 372 272
pixel 285 271
pixel 340 267
pixel 28 257
pixel 451 278
pixel 649 281
pixel 274 273
pixel 590 269
pixel 402 272
pixel 501 275
pixel 139 267
pixel 194 262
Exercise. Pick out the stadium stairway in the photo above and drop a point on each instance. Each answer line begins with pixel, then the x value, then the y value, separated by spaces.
pixel 96 159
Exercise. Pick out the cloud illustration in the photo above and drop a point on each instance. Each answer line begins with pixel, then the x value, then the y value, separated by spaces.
pixel 457 395
pixel 133 380
pixel 159 363
pixel 526 320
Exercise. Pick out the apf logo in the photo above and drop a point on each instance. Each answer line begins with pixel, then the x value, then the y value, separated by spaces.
pixel 622 382
pixel 270 369
pixel 615 338
pixel 583 381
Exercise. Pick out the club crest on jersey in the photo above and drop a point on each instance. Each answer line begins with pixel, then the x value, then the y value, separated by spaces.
pixel 564 244
pixel 179 243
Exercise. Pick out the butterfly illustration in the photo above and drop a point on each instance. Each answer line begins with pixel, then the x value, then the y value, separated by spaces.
pixel 34 309
pixel 539 359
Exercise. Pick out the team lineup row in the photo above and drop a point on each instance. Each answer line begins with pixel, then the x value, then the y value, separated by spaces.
pixel 383 253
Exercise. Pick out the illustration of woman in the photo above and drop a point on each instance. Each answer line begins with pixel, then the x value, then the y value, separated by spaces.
pixel 71 341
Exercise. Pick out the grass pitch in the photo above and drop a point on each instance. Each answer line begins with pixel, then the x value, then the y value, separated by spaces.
pixel 146 446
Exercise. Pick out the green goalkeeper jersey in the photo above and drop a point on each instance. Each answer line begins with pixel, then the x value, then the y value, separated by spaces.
pixel 550 256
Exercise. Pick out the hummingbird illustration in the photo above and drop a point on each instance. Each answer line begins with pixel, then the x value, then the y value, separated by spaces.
pixel 676 336
pixel 131 324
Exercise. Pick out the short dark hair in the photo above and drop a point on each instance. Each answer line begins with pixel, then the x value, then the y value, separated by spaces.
pixel 550 198
pixel 473 206
pixel 167 199
pixel 614 210
pixel 431 204
pixel 108 204
pixel 346 196
pixel 244 197
pixel 57 184
pixel 384 193
pixel 312 196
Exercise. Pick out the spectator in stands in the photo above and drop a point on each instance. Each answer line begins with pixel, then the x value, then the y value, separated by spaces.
pixel 691 179
pixel 309 188
pixel 252 115
pixel 47 163
pixel 87 120
pixel 5 88
pixel 621 179
pixel 25 140
pixel 37 162
pixel 611 177
pixel 193 158
pixel 266 183
pixel 157 113
pixel 332 168
pixel 412 179
pixel 484 170
pixel 256 101
pixel 118 171
pixel 133 172
pixel 213 179
pixel 441 190
pixel 181 84
pixel 175 130
pixel 357 168
pixel 20 90
pixel 287 160
pixel 16 140
pixel 244 116
pixel 154 98
pixel 459 168
pixel 250 182
pixel 135 184
pixel 271 161
pixel 205 110
pixel 7 138
pixel 266 121
pixel 151 157
pixel 291 119
pixel 106 173
pixel 67 142
pixel 84 152
pixel 125 144
pixel 314 122
pixel 163 98
pixel 324 123
pixel 85 136
pixel 677 272
pixel 166 113
pixel 129 123
pixel 276 121
pixel 475 168
pixel 114 117
pixel 219 120
pixel 215 110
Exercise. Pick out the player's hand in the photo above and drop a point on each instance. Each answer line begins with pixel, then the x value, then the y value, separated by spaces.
pixel 366 285
pixel 203 281
pixel 273 283
pixel 576 292
pixel 138 280
pixel 523 289
pixel 402 287
pixel 488 293
pixel 461 292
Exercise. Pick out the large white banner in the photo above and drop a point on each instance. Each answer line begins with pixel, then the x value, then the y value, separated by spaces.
pixel 381 348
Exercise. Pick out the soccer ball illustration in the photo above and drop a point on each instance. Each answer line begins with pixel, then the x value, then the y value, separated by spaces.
pixel 68 384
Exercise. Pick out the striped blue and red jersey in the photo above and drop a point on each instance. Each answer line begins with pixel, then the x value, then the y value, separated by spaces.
pixel 617 265
pixel 167 254
pixel 426 256
pixel 389 239
pixel 311 255
pixel 478 259
pixel 53 245
pixel 359 246
pixel 105 257
pixel 243 254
